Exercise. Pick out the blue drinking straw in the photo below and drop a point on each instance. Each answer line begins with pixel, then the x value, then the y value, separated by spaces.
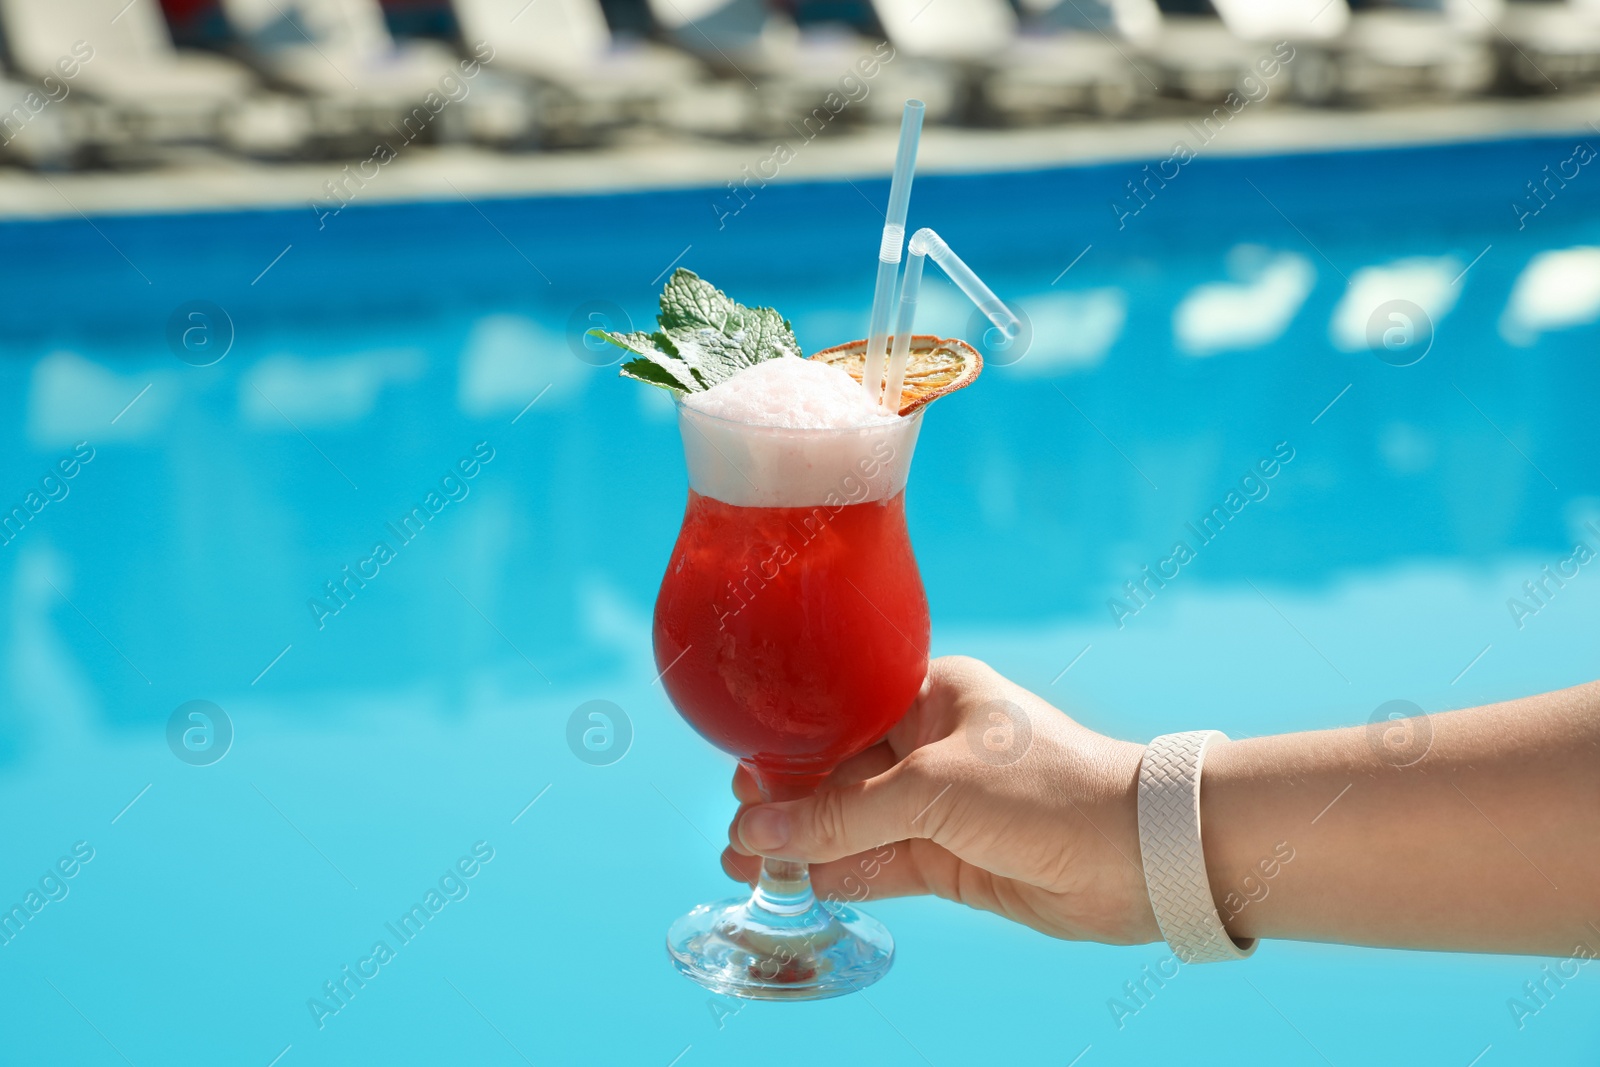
pixel 894 235
pixel 927 244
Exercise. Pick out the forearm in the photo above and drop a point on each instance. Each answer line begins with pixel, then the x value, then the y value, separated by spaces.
pixel 1490 841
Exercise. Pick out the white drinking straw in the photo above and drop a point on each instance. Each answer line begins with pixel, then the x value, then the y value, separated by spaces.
pixel 926 243
pixel 894 235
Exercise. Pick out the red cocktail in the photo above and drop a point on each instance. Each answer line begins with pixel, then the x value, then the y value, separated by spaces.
pixel 792 637
pixel 791 630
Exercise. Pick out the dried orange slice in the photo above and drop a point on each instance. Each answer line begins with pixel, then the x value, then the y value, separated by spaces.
pixel 938 365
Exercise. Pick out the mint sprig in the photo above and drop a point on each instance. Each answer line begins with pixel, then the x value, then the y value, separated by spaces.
pixel 704 338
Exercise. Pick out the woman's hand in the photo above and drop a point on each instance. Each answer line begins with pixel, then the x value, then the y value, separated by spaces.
pixel 987 795
pixel 983 794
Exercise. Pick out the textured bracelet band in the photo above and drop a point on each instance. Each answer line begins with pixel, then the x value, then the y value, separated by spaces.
pixel 1169 843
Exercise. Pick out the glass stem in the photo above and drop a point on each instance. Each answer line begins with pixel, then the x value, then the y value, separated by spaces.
pixel 784 888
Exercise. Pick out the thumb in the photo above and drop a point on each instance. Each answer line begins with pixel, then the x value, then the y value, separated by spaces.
pixel 840 822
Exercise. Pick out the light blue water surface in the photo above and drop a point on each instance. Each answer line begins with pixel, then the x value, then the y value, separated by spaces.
pixel 377 746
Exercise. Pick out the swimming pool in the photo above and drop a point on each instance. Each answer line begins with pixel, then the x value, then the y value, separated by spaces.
pixel 415 727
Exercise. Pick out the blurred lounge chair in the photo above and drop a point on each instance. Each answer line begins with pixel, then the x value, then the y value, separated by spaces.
pixel 963 38
pixel 799 76
pixel 362 83
pixel 597 83
pixel 1429 48
pixel 1440 48
pixel 1001 74
pixel 37 125
pixel 1551 45
pixel 1313 28
pixel 1389 50
pixel 1198 57
pixel 153 95
pixel 1101 42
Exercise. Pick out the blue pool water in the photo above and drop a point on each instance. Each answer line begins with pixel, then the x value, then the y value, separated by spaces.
pixel 374 748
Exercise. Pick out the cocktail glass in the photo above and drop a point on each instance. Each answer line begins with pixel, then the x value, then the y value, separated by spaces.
pixel 791 630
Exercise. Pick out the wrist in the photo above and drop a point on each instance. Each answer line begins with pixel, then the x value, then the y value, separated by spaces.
pixel 1121 826
pixel 1250 837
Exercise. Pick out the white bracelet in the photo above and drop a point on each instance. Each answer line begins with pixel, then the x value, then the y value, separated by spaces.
pixel 1169 844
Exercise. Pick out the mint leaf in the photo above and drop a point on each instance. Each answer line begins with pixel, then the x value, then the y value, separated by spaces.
pixel 658 362
pixel 688 302
pixel 652 373
pixel 705 338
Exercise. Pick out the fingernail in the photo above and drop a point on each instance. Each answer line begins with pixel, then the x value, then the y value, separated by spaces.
pixel 764 829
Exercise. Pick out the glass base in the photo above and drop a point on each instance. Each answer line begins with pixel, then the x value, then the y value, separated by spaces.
pixel 741 949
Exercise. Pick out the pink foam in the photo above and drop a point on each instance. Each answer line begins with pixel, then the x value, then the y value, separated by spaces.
pixel 796 394
pixel 794 433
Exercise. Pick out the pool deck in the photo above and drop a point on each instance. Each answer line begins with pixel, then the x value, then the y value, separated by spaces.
pixel 209 181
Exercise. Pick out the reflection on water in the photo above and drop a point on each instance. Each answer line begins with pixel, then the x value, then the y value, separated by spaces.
pixel 328 390
pixel 1428 282
pixel 1073 330
pixel 71 398
pixel 1254 311
pixel 1557 290
pixel 225 503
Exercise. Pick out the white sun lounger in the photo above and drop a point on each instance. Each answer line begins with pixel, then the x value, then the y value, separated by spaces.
pixel 1382 54
pixel 1197 57
pixel 1031 75
pixel 1284 20
pixel 362 83
pixel 801 80
pixel 1440 49
pixel 154 94
pixel 1547 46
pixel 1313 28
pixel 599 83
pixel 37 123
pixel 1077 55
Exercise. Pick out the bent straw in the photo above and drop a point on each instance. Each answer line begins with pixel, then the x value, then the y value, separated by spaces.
pixel 894 235
pixel 926 243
